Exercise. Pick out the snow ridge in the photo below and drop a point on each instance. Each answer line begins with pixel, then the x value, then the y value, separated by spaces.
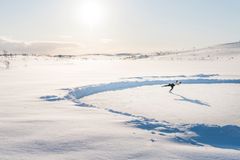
pixel 227 136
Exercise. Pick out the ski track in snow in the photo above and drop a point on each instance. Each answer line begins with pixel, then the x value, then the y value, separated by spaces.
pixel 227 136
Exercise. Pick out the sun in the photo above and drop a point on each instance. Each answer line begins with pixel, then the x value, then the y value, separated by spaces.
pixel 90 13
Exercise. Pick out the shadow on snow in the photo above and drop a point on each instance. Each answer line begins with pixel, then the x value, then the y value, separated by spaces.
pixel 178 76
pixel 227 136
pixel 78 93
pixel 194 101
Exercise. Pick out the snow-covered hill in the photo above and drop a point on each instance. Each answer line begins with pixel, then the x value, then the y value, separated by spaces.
pixel 222 51
pixel 64 107
pixel 73 108
pixel 226 51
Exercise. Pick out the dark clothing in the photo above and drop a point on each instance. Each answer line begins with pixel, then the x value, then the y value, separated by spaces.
pixel 172 85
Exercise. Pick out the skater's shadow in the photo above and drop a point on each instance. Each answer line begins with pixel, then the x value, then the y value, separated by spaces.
pixel 195 101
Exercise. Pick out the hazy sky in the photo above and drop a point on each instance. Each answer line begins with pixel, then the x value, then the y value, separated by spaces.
pixel 118 25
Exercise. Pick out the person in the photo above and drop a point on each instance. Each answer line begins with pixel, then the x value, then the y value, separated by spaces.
pixel 172 85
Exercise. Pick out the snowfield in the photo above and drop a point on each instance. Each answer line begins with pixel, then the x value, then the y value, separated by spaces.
pixel 68 108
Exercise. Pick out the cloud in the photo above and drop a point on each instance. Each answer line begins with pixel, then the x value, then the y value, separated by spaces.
pixel 40 47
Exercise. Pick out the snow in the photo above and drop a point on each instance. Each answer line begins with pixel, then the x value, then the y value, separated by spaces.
pixel 77 108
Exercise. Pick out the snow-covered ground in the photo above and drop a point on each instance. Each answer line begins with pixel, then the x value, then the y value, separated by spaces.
pixel 73 108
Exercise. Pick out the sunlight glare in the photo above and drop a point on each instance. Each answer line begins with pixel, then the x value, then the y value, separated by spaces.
pixel 91 13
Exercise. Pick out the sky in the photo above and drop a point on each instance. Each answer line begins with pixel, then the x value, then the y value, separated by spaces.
pixel 116 26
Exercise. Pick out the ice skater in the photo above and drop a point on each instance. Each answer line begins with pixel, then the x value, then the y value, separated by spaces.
pixel 172 85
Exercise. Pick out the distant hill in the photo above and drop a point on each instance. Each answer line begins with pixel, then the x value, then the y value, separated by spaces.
pixel 220 51
pixel 226 50
pixel 229 45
